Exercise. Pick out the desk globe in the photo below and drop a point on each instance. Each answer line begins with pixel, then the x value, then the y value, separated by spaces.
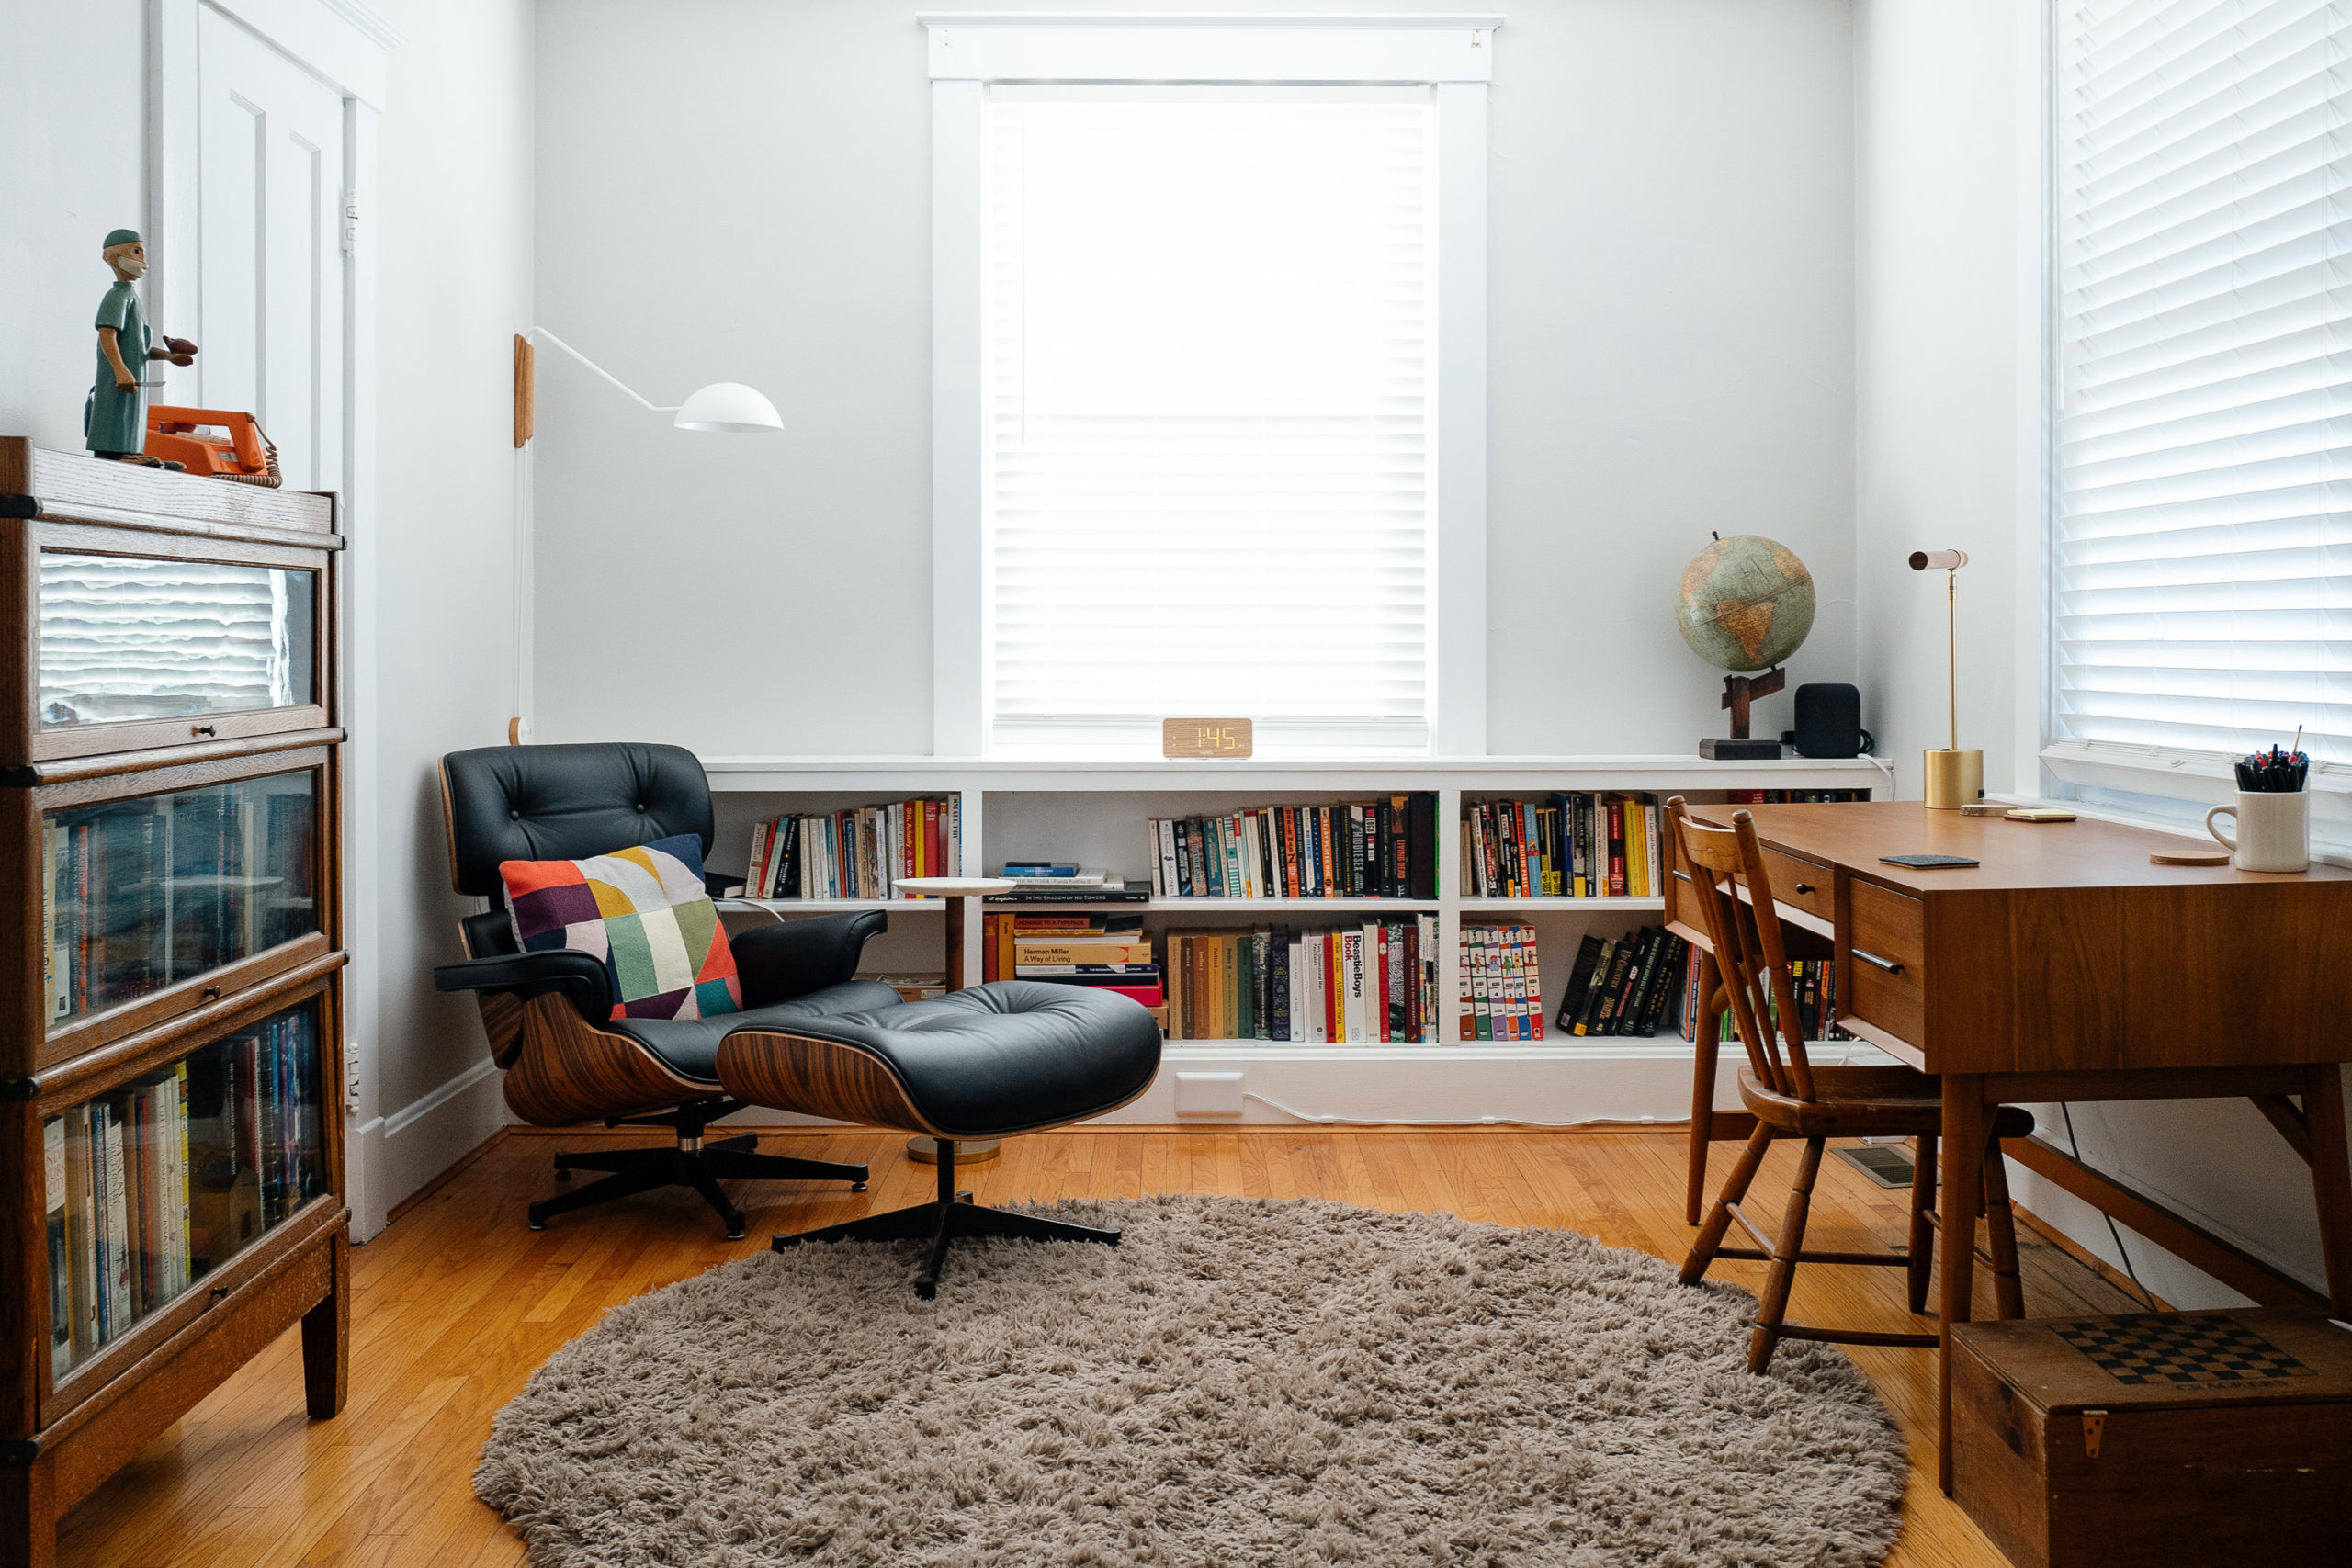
pixel 1744 604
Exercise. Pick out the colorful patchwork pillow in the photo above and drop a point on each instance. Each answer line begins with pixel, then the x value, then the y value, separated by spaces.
pixel 645 913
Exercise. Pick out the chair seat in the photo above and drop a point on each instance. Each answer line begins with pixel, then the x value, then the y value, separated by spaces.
pixel 1008 1057
pixel 1865 1101
pixel 689 1046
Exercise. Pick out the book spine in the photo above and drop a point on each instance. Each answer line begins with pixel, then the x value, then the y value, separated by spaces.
pixel 60 1291
pixel 1278 969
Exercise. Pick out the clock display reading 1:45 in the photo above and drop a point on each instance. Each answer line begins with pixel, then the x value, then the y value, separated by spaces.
pixel 1204 737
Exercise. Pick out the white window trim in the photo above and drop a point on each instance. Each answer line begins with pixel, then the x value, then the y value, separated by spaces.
pixel 1453 55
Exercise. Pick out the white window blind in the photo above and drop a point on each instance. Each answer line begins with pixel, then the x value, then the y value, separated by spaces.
pixel 1209 444
pixel 2204 447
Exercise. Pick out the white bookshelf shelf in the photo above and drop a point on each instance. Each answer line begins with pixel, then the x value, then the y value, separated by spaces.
pixel 834 906
pixel 1095 811
pixel 1470 904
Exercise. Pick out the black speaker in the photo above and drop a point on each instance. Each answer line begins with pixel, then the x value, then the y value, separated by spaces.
pixel 1829 722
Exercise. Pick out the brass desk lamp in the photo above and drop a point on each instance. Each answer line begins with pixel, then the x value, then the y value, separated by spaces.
pixel 1954 778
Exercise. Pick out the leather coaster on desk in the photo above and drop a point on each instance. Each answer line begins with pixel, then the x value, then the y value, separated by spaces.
pixel 2189 857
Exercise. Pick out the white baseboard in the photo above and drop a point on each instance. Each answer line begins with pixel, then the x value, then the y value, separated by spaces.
pixel 398 1155
pixel 1541 1085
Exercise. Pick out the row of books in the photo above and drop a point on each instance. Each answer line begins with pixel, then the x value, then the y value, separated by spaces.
pixel 1368 984
pixel 151 1187
pixel 1815 982
pixel 1563 846
pixel 1374 848
pixel 858 853
pixel 1502 984
pixel 1630 986
pixel 1589 845
pixel 143 894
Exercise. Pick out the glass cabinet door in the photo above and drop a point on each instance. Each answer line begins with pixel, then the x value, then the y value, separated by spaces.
pixel 128 638
pixel 144 893
pixel 153 1186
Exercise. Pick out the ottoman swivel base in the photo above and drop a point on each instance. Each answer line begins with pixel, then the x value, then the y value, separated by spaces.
pixel 953 1214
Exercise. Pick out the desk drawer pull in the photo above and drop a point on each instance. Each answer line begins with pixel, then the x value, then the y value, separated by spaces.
pixel 1875 962
pixel 1805 887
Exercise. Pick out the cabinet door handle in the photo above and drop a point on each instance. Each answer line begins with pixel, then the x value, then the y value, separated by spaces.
pixel 1875 962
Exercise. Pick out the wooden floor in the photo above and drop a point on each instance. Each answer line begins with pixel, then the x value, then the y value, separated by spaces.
pixel 458 1301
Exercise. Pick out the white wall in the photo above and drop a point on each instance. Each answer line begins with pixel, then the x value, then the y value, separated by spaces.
pixel 454 217
pixel 743 193
pixel 1945 388
pixel 73 165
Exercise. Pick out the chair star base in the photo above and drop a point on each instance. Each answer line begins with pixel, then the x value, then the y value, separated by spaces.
pixel 951 1215
pixel 689 1163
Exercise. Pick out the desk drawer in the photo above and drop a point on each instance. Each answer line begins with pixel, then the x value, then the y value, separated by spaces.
pixel 1799 883
pixel 1888 934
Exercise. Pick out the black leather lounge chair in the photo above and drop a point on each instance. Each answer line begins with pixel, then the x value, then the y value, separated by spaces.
pixel 548 1014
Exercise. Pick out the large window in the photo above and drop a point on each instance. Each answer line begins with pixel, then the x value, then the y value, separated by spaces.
pixel 1209 370
pixel 2203 442
pixel 1210 415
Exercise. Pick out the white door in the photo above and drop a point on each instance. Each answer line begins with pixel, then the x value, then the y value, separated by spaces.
pixel 269 210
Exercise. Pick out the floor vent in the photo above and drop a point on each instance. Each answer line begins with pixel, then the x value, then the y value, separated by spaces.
pixel 1889 1165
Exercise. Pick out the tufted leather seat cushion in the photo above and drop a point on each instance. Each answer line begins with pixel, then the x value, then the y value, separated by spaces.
pixel 1008 1056
pixel 690 1046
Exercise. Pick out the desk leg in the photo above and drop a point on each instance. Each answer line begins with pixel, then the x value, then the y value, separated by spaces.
pixel 1963 1189
pixel 1706 1049
pixel 2331 1178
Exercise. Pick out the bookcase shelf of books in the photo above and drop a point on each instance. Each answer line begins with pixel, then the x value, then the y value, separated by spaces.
pixel 170 781
pixel 1103 813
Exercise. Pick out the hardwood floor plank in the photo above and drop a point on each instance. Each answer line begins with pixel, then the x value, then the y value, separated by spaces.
pixel 459 1303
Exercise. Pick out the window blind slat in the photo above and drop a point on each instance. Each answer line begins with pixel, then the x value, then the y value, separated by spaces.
pixel 2203 451
pixel 1209 458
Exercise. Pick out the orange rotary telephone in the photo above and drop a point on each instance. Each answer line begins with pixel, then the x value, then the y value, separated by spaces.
pixel 219 442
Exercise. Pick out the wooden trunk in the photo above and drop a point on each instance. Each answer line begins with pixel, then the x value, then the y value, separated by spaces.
pixel 2157 1440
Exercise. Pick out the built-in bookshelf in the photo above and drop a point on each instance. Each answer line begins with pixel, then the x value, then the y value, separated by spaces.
pixel 1105 814
pixel 170 780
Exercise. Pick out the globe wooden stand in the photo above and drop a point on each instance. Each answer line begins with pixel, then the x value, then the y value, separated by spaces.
pixel 1738 692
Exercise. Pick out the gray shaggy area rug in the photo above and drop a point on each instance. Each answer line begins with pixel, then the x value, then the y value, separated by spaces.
pixel 1241 1382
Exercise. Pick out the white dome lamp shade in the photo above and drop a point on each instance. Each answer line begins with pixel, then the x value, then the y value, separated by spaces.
pixel 728 406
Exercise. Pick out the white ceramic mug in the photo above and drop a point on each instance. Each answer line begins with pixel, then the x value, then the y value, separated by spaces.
pixel 2273 831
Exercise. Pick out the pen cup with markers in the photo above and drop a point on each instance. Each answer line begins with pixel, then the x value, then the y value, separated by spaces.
pixel 2272 816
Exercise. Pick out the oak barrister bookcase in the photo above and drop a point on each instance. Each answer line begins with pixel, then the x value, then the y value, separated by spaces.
pixel 170 1000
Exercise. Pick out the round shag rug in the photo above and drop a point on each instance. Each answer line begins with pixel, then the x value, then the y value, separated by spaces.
pixel 1241 1382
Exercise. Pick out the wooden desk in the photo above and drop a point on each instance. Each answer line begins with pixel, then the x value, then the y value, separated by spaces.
pixel 2066 966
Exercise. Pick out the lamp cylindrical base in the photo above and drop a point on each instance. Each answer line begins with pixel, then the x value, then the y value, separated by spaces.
pixel 1955 779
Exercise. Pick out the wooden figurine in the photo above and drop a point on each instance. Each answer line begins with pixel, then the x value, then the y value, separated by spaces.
pixel 113 421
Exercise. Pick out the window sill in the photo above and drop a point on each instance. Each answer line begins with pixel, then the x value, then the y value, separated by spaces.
pixel 2169 789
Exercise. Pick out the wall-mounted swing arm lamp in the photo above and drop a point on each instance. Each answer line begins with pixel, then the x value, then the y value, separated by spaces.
pixel 727 406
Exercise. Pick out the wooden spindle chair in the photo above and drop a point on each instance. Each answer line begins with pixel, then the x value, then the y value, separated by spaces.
pixel 1791 1097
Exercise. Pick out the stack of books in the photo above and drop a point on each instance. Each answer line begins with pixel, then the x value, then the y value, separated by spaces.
pixel 1503 984
pixel 858 853
pixel 1067 882
pixel 1815 981
pixel 1626 987
pixel 1563 846
pixel 1374 848
pixel 1368 984
pixel 1074 949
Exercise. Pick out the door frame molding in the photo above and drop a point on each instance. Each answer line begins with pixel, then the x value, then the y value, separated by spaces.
pixel 346 45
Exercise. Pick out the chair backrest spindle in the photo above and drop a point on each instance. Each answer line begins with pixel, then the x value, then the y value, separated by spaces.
pixel 1749 955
